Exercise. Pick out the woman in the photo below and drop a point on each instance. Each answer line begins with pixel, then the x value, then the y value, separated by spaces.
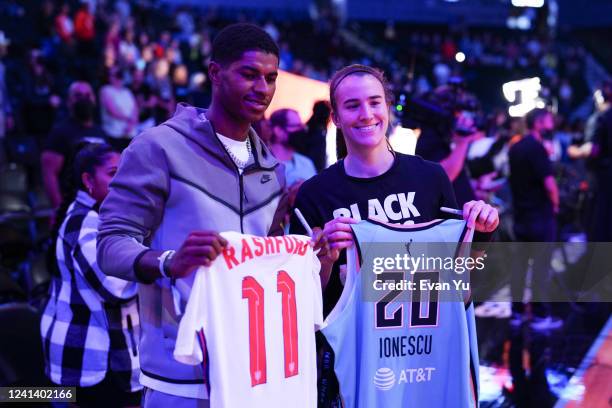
pixel 371 180
pixel 90 325
pixel 119 110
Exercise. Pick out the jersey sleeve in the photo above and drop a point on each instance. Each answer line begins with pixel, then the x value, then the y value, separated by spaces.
pixel 187 349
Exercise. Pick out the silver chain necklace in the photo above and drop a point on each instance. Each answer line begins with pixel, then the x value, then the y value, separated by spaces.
pixel 241 164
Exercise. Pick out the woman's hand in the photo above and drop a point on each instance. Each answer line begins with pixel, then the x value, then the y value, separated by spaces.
pixel 335 236
pixel 481 216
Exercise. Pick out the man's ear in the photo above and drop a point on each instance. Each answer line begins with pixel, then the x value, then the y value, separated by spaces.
pixel 214 72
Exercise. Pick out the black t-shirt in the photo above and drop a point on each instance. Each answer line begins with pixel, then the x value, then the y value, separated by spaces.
pixel 602 137
pixel 65 138
pixel 411 191
pixel 529 166
pixel 431 145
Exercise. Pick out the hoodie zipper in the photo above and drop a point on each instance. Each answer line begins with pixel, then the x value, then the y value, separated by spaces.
pixel 241 182
pixel 240 179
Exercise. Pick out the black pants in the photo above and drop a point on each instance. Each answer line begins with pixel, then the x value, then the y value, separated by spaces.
pixel 531 230
pixel 106 394
pixel 602 212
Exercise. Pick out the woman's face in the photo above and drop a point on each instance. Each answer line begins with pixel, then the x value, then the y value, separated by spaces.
pixel 361 111
pixel 98 182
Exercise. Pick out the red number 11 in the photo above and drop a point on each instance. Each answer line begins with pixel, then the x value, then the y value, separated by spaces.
pixel 254 293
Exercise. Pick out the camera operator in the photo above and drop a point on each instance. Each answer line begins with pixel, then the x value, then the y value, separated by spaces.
pixel 447 139
pixel 597 149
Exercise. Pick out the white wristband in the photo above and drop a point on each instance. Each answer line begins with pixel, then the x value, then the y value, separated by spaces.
pixel 162 260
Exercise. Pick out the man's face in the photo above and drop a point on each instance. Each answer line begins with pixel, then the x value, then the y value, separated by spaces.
pixel 294 124
pixel 79 92
pixel 547 122
pixel 245 87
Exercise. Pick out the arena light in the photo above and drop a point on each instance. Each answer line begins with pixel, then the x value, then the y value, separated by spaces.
pixel 524 95
pixel 528 3
pixel 460 57
pixel 403 140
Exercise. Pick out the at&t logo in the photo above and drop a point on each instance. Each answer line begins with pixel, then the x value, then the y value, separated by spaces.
pixel 384 379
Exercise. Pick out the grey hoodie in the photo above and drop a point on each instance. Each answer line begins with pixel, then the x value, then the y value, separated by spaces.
pixel 174 179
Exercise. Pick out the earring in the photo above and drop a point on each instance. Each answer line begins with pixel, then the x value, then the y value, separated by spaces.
pixel 90 190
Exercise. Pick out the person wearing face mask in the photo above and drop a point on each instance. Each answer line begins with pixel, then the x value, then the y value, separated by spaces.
pixel 90 325
pixel 535 198
pixel 287 129
pixel 60 145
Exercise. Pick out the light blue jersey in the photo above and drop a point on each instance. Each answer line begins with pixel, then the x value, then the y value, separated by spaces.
pixel 409 349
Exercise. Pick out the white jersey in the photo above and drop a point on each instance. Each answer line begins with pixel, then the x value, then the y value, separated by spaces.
pixel 255 311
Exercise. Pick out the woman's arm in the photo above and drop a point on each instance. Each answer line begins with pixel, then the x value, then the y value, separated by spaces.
pixel 110 289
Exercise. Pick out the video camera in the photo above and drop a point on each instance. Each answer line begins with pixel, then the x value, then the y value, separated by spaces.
pixel 440 109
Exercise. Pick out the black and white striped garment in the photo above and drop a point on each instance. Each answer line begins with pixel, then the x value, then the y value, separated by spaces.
pixel 90 325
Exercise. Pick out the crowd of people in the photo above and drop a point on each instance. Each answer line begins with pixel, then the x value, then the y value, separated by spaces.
pixel 102 77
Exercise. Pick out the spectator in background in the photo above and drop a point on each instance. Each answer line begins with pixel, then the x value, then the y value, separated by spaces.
pixel 113 37
pixel 287 126
pixel 85 29
pixel 263 130
pixel 64 25
pixel 162 88
pixel 62 142
pixel 180 83
pixel 119 110
pixel 315 144
pixel 6 111
pixel 90 325
pixel 536 202
pixel 145 99
pixel 40 97
pixel 286 57
pixel 444 143
pixel 199 93
pixel 129 53
pixel 600 154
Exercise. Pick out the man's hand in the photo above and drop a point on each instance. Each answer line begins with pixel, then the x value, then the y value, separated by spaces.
pixel 481 216
pixel 199 249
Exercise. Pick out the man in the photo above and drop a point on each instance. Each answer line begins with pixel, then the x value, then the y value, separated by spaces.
pixel 597 149
pixel 448 147
pixel 287 126
pixel 64 139
pixel 181 183
pixel 536 202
